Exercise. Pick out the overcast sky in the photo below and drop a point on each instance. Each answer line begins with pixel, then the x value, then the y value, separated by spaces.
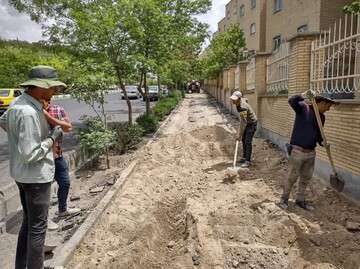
pixel 19 26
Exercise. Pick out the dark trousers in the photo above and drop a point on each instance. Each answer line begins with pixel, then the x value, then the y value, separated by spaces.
pixel 247 139
pixel 63 179
pixel 35 200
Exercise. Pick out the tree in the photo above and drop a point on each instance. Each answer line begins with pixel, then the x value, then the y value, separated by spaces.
pixel 225 49
pixel 353 7
pixel 100 29
pixel 92 90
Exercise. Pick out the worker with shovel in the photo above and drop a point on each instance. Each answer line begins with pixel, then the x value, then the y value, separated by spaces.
pixel 247 128
pixel 306 134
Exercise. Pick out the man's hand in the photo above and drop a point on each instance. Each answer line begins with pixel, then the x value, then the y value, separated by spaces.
pixel 45 104
pixel 309 94
pixel 56 134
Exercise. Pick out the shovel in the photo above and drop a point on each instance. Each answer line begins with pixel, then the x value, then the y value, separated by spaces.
pixel 234 170
pixel 336 181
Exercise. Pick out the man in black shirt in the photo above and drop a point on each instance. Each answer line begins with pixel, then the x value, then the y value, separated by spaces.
pixel 306 134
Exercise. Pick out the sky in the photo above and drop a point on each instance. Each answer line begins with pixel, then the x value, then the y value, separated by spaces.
pixel 19 26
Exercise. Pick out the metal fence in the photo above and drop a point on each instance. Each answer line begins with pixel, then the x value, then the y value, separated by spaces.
pixel 250 75
pixel 277 68
pixel 335 59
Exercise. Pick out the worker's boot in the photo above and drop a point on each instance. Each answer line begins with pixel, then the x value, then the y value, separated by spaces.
pixel 246 164
pixel 284 203
pixel 304 205
pixel 242 160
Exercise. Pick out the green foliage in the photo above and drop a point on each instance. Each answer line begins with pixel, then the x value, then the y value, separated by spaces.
pixel 148 122
pixel 164 107
pixel 353 7
pixel 225 49
pixel 95 137
pixel 128 136
pixel 16 59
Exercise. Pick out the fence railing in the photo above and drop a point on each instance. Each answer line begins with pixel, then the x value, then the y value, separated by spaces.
pixel 250 75
pixel 335 59
pixel 277 68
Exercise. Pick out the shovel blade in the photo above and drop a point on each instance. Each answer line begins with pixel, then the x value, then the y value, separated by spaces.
pixel 337 182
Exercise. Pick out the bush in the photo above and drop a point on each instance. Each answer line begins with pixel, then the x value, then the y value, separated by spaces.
pixel 166 105
pixel 149 123
pixel 128 136
pixel 95 137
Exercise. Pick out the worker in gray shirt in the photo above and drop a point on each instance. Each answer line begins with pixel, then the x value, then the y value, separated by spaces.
pixel 247 128
pixel 32 162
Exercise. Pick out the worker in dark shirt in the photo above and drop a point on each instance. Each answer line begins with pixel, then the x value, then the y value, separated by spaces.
pixel 306 134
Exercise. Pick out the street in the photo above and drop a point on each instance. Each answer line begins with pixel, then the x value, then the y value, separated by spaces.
pixel 115 107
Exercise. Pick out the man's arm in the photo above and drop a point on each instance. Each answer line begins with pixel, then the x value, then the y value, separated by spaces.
pixel 30 145
pixel 297 103
pixel 64 124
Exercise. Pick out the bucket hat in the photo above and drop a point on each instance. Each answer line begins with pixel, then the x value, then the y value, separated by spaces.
pixel 324 97
pixel 236 95
pixel 43 76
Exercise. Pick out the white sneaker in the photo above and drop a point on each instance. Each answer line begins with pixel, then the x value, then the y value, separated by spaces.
pixel 69 212
pixel 52 226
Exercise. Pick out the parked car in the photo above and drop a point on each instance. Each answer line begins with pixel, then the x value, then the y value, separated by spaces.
pixel 164 91
pixel 7 96
pixel 132 92
pixel 153 93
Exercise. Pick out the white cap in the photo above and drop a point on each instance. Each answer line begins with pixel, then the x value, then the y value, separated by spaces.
pixel 236 95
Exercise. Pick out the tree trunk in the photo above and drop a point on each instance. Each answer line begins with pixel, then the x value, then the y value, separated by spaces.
pixel 106 127
pixel 147 100
pixel 159 85
pixel 122 87
pixel 140 85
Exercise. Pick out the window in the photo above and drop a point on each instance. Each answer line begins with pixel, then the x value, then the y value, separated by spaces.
pixel 278 5
pixel 242 10
pixel 253 4
pixel 252 29
pixel 276 42
pixel 303 28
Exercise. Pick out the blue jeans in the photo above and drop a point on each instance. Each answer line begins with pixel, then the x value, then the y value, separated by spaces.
pixel 63 179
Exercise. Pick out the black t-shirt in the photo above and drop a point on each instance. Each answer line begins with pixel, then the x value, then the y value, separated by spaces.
pixel 306 132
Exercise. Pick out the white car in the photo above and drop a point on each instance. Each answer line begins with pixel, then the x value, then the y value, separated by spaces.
pixel 131 91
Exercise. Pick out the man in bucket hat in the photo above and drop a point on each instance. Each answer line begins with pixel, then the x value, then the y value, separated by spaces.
pixel 301 150
pixel 248 125
pixel 32 162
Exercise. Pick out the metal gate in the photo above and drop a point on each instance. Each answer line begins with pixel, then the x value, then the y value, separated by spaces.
pixel 335 59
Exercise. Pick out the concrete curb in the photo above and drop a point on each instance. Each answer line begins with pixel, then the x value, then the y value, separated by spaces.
pixel 65 253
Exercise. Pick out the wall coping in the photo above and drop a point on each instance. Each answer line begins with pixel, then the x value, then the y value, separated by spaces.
pixel 302 35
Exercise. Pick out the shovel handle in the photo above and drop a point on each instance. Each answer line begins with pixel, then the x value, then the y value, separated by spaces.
pixel 319 122
pixel 236 153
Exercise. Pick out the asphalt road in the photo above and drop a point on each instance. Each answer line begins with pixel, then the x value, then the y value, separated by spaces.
pixel 115 107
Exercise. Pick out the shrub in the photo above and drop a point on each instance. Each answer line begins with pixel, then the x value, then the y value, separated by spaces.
pixel 128 136
pixel 148 122
pixel 95 137
pixel 166 105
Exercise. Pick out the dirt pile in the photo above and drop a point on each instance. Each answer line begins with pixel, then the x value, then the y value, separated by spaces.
pixel 179 210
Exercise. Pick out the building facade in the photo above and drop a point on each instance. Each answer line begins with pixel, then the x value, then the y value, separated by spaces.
pixel 251 16
pixel 286 18
pixel 268 23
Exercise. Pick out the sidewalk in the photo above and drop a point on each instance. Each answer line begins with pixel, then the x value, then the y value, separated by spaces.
pixel 178 209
